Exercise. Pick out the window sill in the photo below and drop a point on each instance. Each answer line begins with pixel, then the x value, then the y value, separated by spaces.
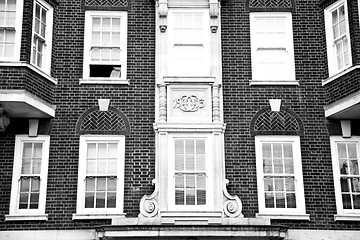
pixel 81 216
pixel 275 83
pixel 305 217
pixel 340 74
pixel 33 68
pixel 29 217
pixel 347 217
pixel 103 81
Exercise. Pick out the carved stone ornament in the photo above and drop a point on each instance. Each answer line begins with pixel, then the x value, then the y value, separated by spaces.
pixel 232 204
pixel 149 207
pixel 189 103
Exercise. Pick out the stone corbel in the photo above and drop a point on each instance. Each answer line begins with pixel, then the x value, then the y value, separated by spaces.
pixel 163 13
pixel 214 15
pixel 216 103
pixel 149 206
pixel 232 204
pixel 4 120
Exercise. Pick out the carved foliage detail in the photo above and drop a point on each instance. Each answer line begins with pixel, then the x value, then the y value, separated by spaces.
pixel 189 103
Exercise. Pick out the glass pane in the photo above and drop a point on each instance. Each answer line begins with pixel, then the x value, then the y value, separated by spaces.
pixel 179 197
pixel 90 166
pixel 290 184
pixel 355 184
pixel 352 150
pixel 91 150
pixel 96 24
pixel 269 200
pixel 341 13
pixel 356 201
pixel 106 24
pixel 105 39
pixel 288 153
pixel 354 167
pixel 95 54
pixel 43 15
pixel 2 18
pixel 268 184
pixel 27 150
pixel 190 196
pixel 344 185
pixel 37 150
pixel 266 150
pixel 26 165
pixel 101 167
pixel 200 162
pixel 342 26
pixel 189 146
pixel 190 162
pixel 190 181
pixel 2 5
pixel 102 150
pixel 342 150
pixel 111 187
pixel 113 150
pixel 278 165
pixel 201 197
pixel 179 181
pixel 201 181
pixel 35 185
pixel 101 184
pixel 116 24
pixel 115 54
pixel 343 166
pixel 268 165
pixel 95 39
pixel 36 168
pixel 279 184
pixel 289 165
pixel 37 11
pixel 24 184
pixel 111 200
pixel 179 147
pixel 42 30
pixel 179 162
pixel 105 54
pixel 34 200
pixel 100 200
pixel 89 200
pixel 280 200
pixel 9 50
pixel 346 201
pixel 200 146
pixel 10 20
pixel 23 201
pixel 112 166
pixel 291 200
pixel 90 184
pixel 277 150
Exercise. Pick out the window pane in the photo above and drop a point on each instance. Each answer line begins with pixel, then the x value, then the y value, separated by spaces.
pixel 190 196
pixel 112 166
pixel 290 184
pixel 106 24
pixel 96 26
pixel 200 162
pixel 266 150
pixel 35 185
pixel 291 200
pixel 200 146
pixel 355 185
pixel 105 39
pixel 100 200
pixel 354 167
pixel 116 24
pixel 267 165
pixel 268 184
pixel 352 150
pixel 95 39
pixel 179 146
pixel 190 162
pixel 34 200
pixel 90 184
pixel 100 185
pixel 89 200
pixel 201 197
pixel 356 201
pixel 179 197
pixel 101 167
pixel 113 150
pixel 24 184
pixel 346 201
pixel 343 166
pixel 102 150
pixel 179 162
pixel 111 187
pixel 23 200
pixel 277 150
pixel 278 165
pixel 344 185
pixel 189 146
pixel 179 181
pixel 201 181
pixel 27 150
pixel 342 150
pixel 111 200
pixel 190 181
pixel 269 200
pixel 26 166
pixel 279 184
pixel 280 200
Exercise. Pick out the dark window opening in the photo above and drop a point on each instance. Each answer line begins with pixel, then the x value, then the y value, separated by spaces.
pixel 106 71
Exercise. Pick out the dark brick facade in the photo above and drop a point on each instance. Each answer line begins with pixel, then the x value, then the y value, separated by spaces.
pixel 136 101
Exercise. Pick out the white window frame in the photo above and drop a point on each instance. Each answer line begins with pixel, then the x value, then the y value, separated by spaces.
pixel 123 48
pixel 262 77
pixel 342 214
pixel 330 44
pixel 17 28
pixel 46 57
pixel 208 170
pixel 28 214
pixel 298 213
pixel 98 213
pixel 175 70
